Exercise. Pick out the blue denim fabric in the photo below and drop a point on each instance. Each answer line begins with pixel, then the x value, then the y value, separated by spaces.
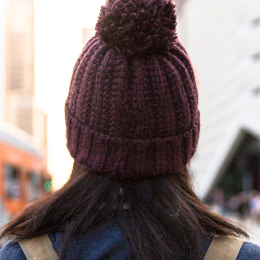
pixel 106 241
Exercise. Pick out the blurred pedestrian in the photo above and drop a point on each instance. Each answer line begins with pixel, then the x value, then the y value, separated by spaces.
pixel 255 207
pixel 243 205
pixel 218 201
pixel 132 127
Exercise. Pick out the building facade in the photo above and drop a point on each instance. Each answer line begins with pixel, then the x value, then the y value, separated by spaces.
pixel 23 127
pixel 87 34
pixel 2 58
pixel 223 41
pixel 22 171
pixel 20 108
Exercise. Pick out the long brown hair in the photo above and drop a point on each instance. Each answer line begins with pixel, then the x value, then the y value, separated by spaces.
pixel 164 216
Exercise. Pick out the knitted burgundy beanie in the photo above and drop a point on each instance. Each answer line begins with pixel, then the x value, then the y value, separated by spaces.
pixel 132 108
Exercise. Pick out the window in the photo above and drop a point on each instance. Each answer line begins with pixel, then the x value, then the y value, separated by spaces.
pixel 256 91
pixel 12 181
pixel 34 189
pixel 87 35
pixel 256 22
pixel 256 56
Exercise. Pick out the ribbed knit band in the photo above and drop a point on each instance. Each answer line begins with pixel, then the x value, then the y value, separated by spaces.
pixel 126 158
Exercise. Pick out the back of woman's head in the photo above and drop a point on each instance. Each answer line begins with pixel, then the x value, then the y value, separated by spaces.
pixel 161 216
pixel 132 127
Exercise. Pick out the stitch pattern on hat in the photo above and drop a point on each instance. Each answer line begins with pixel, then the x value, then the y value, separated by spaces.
pixel 132 108
pixel 138 26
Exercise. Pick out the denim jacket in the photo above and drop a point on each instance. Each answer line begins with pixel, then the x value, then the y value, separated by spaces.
pixel 107 241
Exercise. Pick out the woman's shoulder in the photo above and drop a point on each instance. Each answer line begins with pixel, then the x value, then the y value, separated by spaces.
pixel 104 241
pixel 11 251
pixel 249 251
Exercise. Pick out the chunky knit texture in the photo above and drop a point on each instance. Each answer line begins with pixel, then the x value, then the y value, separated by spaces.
pixel 133 114
pixel 138 26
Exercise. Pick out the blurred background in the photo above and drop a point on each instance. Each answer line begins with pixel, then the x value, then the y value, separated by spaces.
pixel 39 44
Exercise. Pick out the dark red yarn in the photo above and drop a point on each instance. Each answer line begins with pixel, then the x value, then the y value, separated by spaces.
pixel 138 26
pixel 132 116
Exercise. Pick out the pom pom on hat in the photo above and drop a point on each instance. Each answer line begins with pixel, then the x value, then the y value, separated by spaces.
pixel 138 26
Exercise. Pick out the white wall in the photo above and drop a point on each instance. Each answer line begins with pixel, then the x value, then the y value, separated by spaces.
pixel 2 58
pixel 221 41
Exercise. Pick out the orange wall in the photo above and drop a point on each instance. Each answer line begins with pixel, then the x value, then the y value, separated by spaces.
pixel 26 163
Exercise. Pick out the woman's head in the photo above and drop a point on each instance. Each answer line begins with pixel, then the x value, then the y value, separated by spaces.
pixel 132 127
pixel 132 108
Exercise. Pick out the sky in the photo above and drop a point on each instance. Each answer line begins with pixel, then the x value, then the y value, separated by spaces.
pixel 58 43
